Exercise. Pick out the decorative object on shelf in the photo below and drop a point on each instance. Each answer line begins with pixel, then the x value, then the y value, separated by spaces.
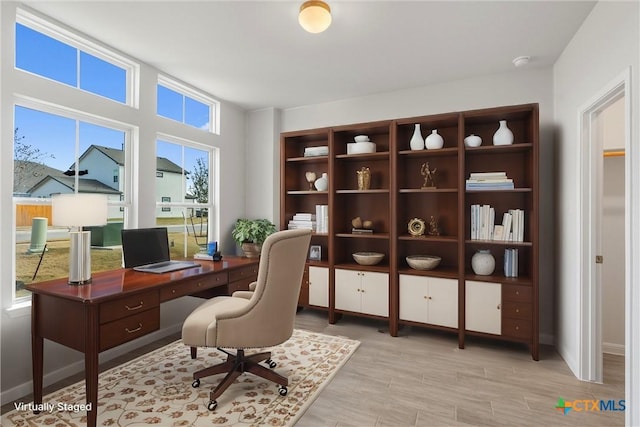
pixel 368 258
pixel 361 227
pixel 434 228
pixel 473 141
pixel 315 252
pixel 434 141
pixel 503 135
pixel 310 177
pixel 364 178
pixel 314 16
pixel 483 263
pixel 322 183
pixel 361 147
pixel 423 262
pixel 356 222
pixel 429 176
pixel 361 138
pixel 322 150
pixel 416 142
pixel 367 224
pixel 416 227
pixel 251 233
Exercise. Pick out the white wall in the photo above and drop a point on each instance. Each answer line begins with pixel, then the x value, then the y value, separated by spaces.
pixel 15 343
pixel 606 45
pixel 518 87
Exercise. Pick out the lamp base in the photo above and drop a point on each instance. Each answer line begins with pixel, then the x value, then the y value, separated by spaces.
pixel 80 258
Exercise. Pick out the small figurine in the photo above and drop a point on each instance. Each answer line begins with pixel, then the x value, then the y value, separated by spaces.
pixel 434 229
pixel 429 176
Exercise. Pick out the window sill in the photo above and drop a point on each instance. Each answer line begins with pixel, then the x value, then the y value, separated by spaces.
pixel 19 309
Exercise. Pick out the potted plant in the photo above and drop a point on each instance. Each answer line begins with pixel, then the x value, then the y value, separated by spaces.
pixel 251 233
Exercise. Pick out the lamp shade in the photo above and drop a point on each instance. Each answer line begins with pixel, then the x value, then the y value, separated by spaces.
pixel 315 16
pixel 77 210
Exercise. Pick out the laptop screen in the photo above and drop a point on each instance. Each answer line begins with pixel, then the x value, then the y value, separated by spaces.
pixel 142 246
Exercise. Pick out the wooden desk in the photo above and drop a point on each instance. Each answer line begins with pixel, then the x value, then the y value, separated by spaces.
pixel 118 306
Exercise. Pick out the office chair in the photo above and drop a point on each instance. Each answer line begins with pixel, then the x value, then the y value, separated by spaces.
pixel 262 318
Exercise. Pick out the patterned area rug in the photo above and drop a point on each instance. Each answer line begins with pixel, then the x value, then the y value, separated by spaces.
pixel 156 389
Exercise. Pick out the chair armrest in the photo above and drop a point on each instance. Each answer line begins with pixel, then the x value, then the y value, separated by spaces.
pixel 252 286
pixel 242 294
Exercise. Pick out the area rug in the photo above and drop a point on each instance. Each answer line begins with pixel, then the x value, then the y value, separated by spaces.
pixel 155 389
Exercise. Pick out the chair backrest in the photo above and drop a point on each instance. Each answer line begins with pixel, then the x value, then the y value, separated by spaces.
pixel 269 317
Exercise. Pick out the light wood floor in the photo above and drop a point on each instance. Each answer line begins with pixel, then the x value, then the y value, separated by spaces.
pixel 421 378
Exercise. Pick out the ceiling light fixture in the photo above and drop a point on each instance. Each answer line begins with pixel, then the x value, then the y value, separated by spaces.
pixel 521 61
pixel 315 16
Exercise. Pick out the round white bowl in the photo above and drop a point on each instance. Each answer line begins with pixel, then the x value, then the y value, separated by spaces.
pixel 361 147
pixel 423 262
pixel 368 258
pixel 361 138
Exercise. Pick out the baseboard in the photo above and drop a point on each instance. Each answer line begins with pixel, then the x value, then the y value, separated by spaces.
pixel 609 348
pixel 24 389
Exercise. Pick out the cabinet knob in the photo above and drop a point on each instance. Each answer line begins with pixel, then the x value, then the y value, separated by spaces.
pixel 199 284
pixel 517 310
pixel 517 292
pixel 517 328
pixel 498 307
pixel 430 298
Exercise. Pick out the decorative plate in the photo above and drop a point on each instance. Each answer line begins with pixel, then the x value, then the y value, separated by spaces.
pixel 416 227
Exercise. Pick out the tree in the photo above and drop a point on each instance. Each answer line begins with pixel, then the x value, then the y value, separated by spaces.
pixel 28 163
pixel 200 181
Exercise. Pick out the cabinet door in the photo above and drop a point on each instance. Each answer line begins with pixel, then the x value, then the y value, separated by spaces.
pixel 375 293
pixel 413 298
pixel 319 286
pixel 482 307
pixel 443 302
pixel 348 290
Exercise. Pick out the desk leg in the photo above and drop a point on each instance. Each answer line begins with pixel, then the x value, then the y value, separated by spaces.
pixel 36 352
pixel 92 339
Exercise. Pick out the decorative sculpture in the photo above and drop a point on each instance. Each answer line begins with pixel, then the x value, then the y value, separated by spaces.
pixel 429 176
pixel 434 229
pixel 364 178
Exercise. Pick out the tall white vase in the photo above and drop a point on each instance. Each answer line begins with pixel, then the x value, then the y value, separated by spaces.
pixel 503 135
pixel 417 142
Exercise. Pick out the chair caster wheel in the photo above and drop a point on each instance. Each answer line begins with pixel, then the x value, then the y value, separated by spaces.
pixel 213 404
pixel 195 383
pixel 271 363
pixel 283 391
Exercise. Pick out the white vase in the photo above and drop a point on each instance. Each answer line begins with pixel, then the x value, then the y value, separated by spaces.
pixel 322 183
pixel 503 135
pixel 416 143
pixel 434 141
pixel 483 263
pixel 473 141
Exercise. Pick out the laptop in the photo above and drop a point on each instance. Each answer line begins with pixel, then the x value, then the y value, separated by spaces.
pixel 147 249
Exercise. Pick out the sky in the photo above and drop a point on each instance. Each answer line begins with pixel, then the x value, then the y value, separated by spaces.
pixel 55 136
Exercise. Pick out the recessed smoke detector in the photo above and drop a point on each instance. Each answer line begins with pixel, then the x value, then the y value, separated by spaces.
pixel 521 61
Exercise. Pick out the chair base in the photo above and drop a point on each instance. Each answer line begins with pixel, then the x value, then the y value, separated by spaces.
pixel 237 364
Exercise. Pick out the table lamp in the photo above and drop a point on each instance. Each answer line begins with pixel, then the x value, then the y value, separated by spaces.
pixel 78 210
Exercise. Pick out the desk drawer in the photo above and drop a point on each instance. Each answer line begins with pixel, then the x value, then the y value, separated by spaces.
pixel 191 286
pixel 129 328
pixel 516 328
pixel 133 304
pixel 517 310
pixel 249 273
pixel 516 293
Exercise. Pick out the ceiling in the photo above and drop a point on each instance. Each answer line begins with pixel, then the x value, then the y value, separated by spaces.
pixel 254 53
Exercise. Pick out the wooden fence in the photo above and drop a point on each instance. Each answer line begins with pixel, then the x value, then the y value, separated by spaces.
pixel 26 213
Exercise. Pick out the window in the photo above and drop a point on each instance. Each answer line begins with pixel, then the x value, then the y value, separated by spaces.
pixel 51 52
pixel 159 174
pixel 181 104
pixel 186 212
pixel 44 164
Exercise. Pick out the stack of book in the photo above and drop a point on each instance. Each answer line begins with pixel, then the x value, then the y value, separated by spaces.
pixel 489 181
pixel 303 220
pixel 322 217
pixel 483 225
pixel 511 262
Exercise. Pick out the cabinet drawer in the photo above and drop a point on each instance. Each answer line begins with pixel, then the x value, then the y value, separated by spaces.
pixel 176 290
pixel 111 311
pixel 129 328
pixel 517 310
pixel 516 328
pixel 250 272
pixel 516 293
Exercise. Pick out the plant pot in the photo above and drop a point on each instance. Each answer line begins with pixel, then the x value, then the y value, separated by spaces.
pixel 251 250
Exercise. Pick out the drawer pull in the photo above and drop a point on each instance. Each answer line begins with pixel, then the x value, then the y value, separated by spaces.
pixel 130 331
pixel 517 310
pixel 517 292
pixel 517 328
pixel 498 307
pixel 137 307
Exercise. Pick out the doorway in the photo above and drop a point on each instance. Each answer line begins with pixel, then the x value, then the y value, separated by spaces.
pixel 593 133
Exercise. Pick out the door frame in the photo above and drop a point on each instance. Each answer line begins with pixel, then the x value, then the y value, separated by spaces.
pixel 590 199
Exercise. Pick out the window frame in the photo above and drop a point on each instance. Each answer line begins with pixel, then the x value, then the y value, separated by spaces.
pixel 57 31
pixel 186 91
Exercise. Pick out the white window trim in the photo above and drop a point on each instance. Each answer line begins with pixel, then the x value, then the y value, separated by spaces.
pixel 59 32
pixel 185 90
